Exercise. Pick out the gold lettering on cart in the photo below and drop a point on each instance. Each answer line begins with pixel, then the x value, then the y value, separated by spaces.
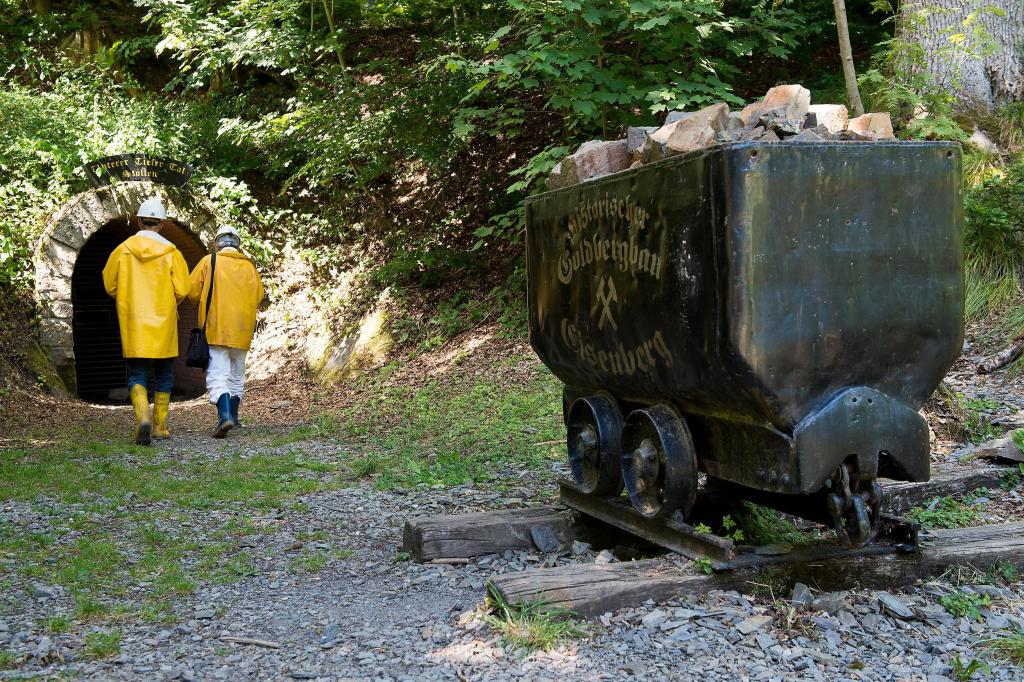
pixel 620 361
pixel 619 214
pixel 609 207
pixel 627 256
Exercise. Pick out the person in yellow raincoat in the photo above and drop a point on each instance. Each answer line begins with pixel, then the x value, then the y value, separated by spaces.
pixel 230 322
pixel 147 277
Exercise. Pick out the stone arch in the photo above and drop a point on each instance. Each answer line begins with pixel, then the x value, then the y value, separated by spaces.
pixel 70 229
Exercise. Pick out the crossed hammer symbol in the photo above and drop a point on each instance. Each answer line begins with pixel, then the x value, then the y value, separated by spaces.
pixel 605 299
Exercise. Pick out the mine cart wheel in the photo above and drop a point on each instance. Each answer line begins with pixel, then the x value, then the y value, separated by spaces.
pixel 659 466
pixel 594 428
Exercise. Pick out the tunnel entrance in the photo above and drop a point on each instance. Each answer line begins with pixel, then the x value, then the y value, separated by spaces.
pixel 100 370
pixel 77 320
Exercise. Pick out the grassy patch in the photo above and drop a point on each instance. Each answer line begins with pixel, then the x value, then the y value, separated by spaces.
pixel 316 535
pixel 529 627
pixel 461 429
pixel 1009 648
pixel 946 512
pixel 76 474
pixel 963 604
pixel 309 563
pixel 240 566
pixel 103 644
pixel 7 660
pixel 324 425
pixel 102 566
pixel 58 624
pixel 88 607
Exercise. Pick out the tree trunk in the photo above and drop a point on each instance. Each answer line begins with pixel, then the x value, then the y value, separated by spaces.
pixel 846 54
pixel 329 11
pixel 989 69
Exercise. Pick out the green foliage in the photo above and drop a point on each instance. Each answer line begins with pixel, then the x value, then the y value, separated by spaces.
pixel 764 526
pixel 7 660
pixel 965 671
pixel 58 624
pixel 103 644
pixel 730 531
pixel 977 427
pixel 1011 478
pixel 85 112
pixel 962 604
pixel 599 63
pixel 533 626
pixel 703 565
pixel 1009 648
pixel 994 214
pixel 946 512
pixel 1004 571
pixel 597 67
pixel 899 81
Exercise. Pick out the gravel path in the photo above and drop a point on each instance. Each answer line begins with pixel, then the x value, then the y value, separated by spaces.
pixel 327 596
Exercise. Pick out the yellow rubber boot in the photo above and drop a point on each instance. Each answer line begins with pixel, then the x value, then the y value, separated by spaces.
pixel 140 403
pixel 161 404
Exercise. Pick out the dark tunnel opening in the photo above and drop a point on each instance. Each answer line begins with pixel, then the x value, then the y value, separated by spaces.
pixel 99 366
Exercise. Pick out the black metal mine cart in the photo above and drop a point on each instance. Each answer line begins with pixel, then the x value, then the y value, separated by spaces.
pixel 770 315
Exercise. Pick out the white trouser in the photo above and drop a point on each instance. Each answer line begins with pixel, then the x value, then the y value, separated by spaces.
pixel 226 373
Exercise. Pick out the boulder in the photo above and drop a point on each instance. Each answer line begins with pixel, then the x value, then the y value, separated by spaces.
pixel 877 123
pixel 593 159
pixel 698 130
pixel 818 134
pixel 635 137
pixel 854 136
pixel 674 116
pixel 980 140
pixel 832 116
pixel 733 131
pixel 793 99
pixel 750 113
pixel 750 134
pixel 695 130
pixel 655 147
pixel 778 119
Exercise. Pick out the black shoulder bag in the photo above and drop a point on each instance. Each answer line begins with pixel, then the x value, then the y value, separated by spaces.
pixel 198 349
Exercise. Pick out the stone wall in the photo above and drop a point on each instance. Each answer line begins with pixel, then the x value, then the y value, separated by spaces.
pixel 69 230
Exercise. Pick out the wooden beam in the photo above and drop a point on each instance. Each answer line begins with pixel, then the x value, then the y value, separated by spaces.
pixel 591 589
pixel 900 497
pixel 468 535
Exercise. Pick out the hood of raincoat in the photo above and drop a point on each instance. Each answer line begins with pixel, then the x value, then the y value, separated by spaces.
pixel 146 248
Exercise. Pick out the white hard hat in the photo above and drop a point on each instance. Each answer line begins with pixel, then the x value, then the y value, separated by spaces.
pixel 228 230
pixel 152 208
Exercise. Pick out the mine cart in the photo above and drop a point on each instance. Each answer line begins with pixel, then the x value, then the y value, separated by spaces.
pixel 771 316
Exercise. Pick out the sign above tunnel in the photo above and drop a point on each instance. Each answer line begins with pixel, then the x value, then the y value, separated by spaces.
pixel 128 167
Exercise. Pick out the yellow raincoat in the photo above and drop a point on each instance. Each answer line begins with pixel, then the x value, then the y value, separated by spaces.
pixel 147 277
pixel 236 295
